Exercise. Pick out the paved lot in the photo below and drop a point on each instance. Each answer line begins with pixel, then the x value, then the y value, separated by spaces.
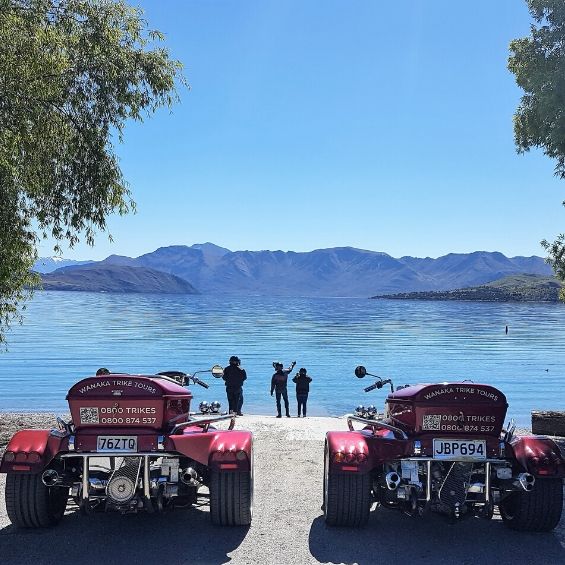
pixel 287 526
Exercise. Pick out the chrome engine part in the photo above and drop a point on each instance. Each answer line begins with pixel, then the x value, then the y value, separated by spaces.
pixel 392 480
pixel 190 477
pixel 526 481
pixel 453 488
pixel 50 478
pixel 122 486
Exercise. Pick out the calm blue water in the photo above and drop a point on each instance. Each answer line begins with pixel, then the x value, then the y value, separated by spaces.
pixel 67 335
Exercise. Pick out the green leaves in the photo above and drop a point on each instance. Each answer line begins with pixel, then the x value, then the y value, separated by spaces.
pixel 71 73
pixel 538 63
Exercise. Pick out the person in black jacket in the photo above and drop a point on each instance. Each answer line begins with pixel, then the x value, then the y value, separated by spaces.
pixel 278 384
pixel 234 377
pixel 302 381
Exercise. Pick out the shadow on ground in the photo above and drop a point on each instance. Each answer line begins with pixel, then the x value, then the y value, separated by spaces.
pixel 180 536
pixel 392 537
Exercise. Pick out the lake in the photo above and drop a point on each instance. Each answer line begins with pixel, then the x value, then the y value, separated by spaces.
pixel 68 335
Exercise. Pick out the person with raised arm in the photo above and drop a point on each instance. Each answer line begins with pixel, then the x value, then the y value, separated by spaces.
pixel 278 385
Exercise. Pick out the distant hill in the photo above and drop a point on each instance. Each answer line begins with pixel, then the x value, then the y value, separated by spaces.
pixel 515 288
pixel 49 264
pixel 338 271
pixel 115 278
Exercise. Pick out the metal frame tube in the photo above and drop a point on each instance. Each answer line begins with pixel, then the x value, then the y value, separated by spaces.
pixel 85 484
pixel 105 454
pixel 146 491
pixel 376 424
pixel 429 481
pixel 487 481
pixel 205 423
pixel 455 460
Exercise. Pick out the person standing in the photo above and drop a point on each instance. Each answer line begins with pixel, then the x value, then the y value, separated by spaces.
pixel 234 377
pixel 278 384
pixel 302 381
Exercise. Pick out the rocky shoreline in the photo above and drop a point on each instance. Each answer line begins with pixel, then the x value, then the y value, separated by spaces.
pixel 11 422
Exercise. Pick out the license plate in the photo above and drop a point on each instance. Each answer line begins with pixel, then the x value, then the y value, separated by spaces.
pixel 116 443
pixel 460 449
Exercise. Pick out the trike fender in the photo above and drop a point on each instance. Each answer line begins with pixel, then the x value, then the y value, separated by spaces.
pixel 225 449
pixel 371 450
pixel 33 450
pixel 348 452
pixel 539 456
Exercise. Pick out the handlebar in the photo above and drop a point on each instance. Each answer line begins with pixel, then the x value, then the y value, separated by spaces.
pixel 181 378
pixel 379 384
pixel 197 381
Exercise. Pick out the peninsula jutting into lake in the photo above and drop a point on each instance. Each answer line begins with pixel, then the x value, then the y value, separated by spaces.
pixel 515 288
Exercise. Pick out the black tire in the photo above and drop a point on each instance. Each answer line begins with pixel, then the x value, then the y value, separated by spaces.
pixel 535 511
pixel 30 504
pixel 231 498
pixel 347 498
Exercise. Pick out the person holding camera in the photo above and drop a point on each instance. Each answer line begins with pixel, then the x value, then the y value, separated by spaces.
pixel 234 377
pixel 278 385
pixel 302 381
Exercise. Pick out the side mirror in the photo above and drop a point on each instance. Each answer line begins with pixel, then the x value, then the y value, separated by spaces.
pixel 217 371
pixel 360 371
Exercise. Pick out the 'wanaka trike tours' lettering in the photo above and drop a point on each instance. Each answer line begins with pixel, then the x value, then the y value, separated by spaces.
pixel 461 390
pixel 102 384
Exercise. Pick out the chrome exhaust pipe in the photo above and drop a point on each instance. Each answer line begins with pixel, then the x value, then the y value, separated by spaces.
pixel 392 480
pixel 190 477
pixel 526 481
pixel 50 478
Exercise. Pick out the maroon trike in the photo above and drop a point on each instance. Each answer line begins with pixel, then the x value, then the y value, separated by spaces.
pixel 132 445
pixel 441 448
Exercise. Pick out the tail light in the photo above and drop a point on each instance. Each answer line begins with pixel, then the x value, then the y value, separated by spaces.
pixel 22 457
pixel 176 407
pixel 350 457
pixel 546 466
pixel 229 458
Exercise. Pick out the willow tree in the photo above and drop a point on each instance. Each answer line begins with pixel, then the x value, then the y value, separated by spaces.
pixel 538 63
pixel 72 73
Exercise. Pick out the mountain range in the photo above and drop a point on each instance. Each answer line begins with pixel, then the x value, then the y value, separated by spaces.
pixel 338 271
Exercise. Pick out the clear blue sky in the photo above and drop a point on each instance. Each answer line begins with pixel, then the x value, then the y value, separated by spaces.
pixel 380 125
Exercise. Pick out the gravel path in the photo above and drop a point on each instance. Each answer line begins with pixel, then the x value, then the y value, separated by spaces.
pixel 287 526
